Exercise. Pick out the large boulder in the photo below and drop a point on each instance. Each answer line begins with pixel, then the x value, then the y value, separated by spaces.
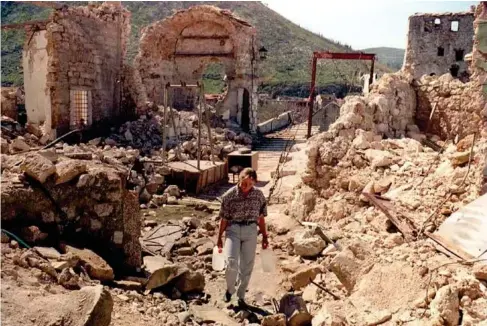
pixel 164 275
pixel 68 170
pixel 38 167
pixel 172 190
pixel 346 268
pixel 303 277
pixel 96 267
pixel 191 282
pixel 446 305
pixel 307 244
pixel 378 158
pixel 19 145
pixel 480 271
pixel 303 202
pixel 90 306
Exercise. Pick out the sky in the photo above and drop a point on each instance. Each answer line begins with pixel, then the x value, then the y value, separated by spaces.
pixel 361 24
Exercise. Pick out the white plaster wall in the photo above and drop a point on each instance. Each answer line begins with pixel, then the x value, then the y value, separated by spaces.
pixel 37 97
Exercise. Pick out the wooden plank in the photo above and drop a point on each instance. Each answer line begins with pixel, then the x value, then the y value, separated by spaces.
pixel 455 250
pixel 404 227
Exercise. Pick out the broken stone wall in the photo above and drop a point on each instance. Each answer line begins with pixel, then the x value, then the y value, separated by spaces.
pixel 81 202
pixel 434 47
pixel 179 48
pixel 35 64
pixel 85 52
pixel 388 110
pixel 9 102
pixel 456 108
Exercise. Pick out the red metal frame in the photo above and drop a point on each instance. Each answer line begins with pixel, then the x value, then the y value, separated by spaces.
pixel 338 56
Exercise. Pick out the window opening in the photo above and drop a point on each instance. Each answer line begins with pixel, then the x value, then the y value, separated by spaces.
pixel 80 114
pixel 459 55
pixel 454 26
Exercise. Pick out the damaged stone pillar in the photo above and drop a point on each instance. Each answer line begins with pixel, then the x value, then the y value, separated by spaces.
pixel 131 230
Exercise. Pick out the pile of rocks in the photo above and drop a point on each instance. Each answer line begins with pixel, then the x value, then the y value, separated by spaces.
pixel 375 273
pixel 146 134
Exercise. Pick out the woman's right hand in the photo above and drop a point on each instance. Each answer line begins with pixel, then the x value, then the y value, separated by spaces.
pixel 219 244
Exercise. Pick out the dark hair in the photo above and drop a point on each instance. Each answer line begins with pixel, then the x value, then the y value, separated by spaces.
pixel 248 172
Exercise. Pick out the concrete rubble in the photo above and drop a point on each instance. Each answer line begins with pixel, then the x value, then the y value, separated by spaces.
pixel 95 234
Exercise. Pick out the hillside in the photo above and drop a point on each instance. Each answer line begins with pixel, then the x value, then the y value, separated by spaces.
pixel 286 70
pixel 391 57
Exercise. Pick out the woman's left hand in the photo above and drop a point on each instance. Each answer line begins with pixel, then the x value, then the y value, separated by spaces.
pixel 265 242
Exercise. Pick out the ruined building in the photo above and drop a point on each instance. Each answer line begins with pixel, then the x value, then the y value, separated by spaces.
pixel 178 49
pixel 438 43
pixel 73 67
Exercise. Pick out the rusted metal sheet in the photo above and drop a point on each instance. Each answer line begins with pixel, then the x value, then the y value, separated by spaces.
pixel 466 229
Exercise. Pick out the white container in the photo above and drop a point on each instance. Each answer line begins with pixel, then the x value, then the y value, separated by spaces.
pixel 217 260
pixel 268 260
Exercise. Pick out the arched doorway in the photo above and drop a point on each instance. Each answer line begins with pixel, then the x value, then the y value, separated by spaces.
pixel 245 120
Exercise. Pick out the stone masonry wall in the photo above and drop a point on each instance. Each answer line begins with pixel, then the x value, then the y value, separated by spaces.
pixel 83 202
pixel 460 108
pixel 457 106
pixel 433 47
pixel 86 48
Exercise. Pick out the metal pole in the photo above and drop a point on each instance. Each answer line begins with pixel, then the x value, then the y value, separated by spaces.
pixel 164 127
pixel 371 78
pixel 199 131
pixel 207 120
pixel 311 95
pixel 176 132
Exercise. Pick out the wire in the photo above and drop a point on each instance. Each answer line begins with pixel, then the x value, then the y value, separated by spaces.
pixel 16 238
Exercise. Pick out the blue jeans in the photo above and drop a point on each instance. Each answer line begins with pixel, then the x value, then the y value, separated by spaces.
pixel 240 246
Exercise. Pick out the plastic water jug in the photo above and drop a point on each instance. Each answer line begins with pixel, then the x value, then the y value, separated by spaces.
pixel 268 260
pixel 217 260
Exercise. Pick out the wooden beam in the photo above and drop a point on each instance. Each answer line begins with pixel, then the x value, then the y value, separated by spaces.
pixel 24 24
pixel 402 225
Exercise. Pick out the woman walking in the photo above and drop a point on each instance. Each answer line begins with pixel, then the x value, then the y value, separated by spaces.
pixel 242 213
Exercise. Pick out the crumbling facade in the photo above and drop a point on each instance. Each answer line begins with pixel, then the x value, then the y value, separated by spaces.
pixel 438 43
pixel 178 49
pixel 446 106
pixel 73 67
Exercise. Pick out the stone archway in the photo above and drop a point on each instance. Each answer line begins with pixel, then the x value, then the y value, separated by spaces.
pixel 179 48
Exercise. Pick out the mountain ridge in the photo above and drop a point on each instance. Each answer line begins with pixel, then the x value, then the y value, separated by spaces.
pixel 286 70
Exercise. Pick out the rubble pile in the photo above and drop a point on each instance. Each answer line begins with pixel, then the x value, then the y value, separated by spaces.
pixel 378 273
pixel 10 97
pixel 18 139
pixel 146 134
pixel 64 192
pixel 387 111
